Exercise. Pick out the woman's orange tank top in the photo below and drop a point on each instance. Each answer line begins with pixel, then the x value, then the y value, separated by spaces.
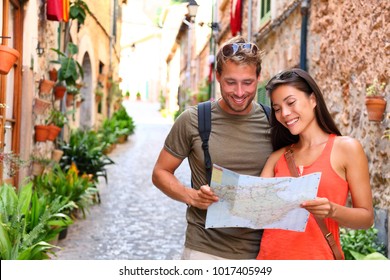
pixel 279 244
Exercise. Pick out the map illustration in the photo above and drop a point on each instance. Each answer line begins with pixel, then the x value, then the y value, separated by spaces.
pixel 260 203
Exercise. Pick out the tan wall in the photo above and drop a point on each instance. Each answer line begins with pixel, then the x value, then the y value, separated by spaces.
pixel 347 50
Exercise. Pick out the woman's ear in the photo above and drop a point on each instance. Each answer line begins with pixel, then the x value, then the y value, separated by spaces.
pixel 313 100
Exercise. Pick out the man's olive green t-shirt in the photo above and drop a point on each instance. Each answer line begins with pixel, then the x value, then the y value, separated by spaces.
pixel 240 143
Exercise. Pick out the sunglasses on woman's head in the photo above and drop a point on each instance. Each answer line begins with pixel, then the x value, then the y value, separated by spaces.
pixel 231 49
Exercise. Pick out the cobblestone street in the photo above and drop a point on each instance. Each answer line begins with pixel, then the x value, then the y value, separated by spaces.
pixel 135 220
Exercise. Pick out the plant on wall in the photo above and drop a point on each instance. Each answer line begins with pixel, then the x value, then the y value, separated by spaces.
pixel 70 69
pixel 78 10
pixel 375 100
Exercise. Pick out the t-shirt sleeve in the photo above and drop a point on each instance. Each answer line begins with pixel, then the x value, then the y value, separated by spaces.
pixel 178 141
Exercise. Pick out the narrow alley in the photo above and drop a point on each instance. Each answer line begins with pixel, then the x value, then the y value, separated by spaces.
pixel 135 221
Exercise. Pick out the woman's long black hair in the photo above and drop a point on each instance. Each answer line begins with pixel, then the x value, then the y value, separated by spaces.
pixel 301 80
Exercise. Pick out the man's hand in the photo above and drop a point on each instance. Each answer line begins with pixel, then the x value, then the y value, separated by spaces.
pixel 203 197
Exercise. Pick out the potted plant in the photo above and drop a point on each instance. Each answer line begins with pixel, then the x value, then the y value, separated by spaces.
pixel 38 164
pixel 53 75
pixel 70 69
pixel 8 57
pixel 41 132
pixel 59 91
pixel 56 122
pixel 375 101
pixel 26 222
pixel 98 94
pixel 45 86
pixel 40 106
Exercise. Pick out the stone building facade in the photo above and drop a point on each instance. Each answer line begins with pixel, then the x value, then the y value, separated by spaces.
pixel 346 48
pixel 98 42
pixel 343 45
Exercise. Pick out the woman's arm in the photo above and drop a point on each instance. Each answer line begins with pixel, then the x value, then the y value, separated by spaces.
pixel 349 161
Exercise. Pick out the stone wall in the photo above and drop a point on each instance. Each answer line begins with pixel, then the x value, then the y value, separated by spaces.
pixel 347 50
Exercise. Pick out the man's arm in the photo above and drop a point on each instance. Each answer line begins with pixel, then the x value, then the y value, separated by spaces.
pixel 163 178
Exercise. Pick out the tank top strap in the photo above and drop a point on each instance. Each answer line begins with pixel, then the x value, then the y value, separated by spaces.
pixel 329 146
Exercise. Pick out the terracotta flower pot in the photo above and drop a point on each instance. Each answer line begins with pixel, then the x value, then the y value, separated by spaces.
pixel 69 100
pixel 41 133
pixel 98 98
pixel 53 132
pixel 40 106
pixel 59 92
pixel 45 86
pixel 56 155
pixel 37 168
pixel 53 75
pixel 8 57
pixel 376 106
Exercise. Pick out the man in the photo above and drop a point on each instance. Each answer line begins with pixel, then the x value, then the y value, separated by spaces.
pixel 239 141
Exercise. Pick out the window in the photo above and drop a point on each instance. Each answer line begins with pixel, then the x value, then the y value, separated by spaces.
pixel 265 11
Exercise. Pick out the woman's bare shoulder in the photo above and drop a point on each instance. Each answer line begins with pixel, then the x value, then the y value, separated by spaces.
pixel 348 144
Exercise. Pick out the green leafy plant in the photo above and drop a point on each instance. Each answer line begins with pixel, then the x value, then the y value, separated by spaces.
pixel 57 118
pixel 70 69
pixel 360 244
pixel 69 186
pixel 124 122
pixel 375 89
pixel 26 221
pixel 78 10
pixel 85 149
pixel 12 162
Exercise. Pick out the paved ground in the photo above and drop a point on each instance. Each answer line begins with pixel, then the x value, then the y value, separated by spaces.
pixel 135 221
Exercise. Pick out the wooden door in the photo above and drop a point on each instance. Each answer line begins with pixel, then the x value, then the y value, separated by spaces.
pixel 10 88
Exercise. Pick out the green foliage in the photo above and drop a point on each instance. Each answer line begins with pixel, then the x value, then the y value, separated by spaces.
pixel 78 10
pixel 26 223
pixel 69 186
pixel 70 69
pixel 358 244
pixel 124 122
pixel 85 149
pixel 57 118
pixel 375 89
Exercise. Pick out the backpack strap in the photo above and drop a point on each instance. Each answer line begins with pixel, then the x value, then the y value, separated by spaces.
pixel 267 110
pixel 204 127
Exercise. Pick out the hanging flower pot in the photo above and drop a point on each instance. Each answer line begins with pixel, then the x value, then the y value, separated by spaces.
pixel 53 132
pixel 37 168
pixel 45 86
pixel 53 75
pixel 59 92
pixel 8 57
pixel 41 133
pixel 69 100
pixel 56 155
pixel 376 106
pixel 40 106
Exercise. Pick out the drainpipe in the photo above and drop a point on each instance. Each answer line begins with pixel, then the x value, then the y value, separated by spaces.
pixel 304 11
pixel 250 21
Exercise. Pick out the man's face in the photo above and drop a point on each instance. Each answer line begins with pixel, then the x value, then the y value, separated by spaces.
pixel 238 85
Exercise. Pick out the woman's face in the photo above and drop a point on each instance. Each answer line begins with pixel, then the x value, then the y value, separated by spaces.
pixel 293 108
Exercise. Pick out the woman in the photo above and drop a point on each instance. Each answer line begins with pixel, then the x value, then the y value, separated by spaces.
pixel 301 122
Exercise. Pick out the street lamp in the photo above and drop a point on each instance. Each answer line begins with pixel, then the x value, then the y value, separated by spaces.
pixel 192 7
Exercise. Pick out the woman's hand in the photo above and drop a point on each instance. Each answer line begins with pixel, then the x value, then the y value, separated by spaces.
pixel 320 207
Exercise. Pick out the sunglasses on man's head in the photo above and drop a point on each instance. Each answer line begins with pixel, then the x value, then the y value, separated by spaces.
pixel 231 49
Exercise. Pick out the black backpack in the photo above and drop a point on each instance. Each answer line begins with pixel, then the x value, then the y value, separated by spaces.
pixel 204 127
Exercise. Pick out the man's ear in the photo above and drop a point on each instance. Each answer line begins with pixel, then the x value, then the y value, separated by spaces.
pixel 217 76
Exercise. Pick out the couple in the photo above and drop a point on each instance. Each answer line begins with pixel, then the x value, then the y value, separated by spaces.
pixel 241 141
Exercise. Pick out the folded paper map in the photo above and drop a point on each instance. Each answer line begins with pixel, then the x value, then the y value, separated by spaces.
pixel 260 203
